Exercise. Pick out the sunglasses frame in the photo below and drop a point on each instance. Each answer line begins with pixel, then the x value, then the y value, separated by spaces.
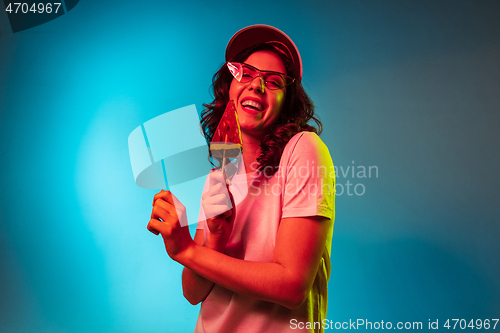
pixel 234 69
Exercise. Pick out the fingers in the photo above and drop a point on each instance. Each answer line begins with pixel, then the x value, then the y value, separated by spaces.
pixel 176 202
pixel 170 198
pixel 230 195
pixel 165 195
pixel 217 189
pixel 216 201
pixel 167 214
pixel 219 192
pixel 162 216
pixel 152 229
pixel 215 198
pixel 216 177
pixel 163 210
pixel 157 227
pixel 165 202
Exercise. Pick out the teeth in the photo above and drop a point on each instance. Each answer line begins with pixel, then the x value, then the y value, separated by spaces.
pixel 254 104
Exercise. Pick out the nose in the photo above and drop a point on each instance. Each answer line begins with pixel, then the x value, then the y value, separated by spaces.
pixel 258 84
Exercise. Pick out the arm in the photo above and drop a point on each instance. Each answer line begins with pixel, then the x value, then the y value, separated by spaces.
pixel 285 281
pixel 215 202
pixel 300 242
pixel 195 287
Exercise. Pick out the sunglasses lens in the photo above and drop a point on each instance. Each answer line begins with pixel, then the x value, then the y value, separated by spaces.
pixel 248 73
pixel 274 81
pixel 236 70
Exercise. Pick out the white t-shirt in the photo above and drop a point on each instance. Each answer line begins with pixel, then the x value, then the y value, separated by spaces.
pixel 303 186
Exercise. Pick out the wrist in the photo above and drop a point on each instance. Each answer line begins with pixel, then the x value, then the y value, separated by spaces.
pixel 186 255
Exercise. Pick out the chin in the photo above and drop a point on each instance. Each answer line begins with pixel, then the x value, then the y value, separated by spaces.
pixel 252 129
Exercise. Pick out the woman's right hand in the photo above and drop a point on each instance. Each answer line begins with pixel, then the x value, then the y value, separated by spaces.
pixel 218 205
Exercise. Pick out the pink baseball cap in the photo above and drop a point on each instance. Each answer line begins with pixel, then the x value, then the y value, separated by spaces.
pixel 261 33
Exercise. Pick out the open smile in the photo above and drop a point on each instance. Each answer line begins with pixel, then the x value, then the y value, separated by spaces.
pixel 252 105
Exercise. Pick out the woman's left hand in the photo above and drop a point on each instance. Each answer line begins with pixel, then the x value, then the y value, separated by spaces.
pixel 169 219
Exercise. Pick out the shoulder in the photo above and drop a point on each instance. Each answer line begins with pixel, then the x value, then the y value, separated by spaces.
pixel 306 144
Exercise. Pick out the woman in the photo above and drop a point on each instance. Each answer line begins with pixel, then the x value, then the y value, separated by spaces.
pixel 263 265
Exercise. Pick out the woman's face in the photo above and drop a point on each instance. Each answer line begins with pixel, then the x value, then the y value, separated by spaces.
pixel 257 106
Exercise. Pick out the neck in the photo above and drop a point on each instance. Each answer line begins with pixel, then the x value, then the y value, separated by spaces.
pixel 251 150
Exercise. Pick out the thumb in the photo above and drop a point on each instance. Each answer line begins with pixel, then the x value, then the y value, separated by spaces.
pixel 233 209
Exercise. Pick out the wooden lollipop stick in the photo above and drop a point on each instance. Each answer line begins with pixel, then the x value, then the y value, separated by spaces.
pixel 224 167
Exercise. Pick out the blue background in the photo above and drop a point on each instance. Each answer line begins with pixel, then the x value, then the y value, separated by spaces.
pixel 411 87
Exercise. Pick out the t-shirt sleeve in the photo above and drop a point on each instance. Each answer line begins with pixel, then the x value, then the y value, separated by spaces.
pixel 309 178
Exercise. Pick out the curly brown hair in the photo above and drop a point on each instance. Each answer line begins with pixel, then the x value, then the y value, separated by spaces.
pixel 297 110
